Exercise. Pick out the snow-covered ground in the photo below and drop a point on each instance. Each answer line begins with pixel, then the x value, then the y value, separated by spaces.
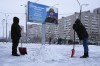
pixel 49 55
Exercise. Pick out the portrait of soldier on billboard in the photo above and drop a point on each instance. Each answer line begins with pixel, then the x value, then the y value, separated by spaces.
pixel 52 17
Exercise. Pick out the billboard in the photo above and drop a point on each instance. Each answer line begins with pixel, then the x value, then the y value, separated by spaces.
pixel 41 13
pixel 36 12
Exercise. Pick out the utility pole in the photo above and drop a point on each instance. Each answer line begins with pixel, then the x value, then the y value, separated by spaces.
pixel 3 28
pixel 6 26
pixel 80 16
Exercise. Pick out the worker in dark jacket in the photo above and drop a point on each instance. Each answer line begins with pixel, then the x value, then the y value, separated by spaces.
pixel 83 35
pixel 15 35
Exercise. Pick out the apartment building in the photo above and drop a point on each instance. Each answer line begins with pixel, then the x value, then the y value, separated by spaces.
pixel 34 30
pixel 91 21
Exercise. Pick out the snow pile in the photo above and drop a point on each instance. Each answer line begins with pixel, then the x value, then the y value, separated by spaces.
pixel 49 55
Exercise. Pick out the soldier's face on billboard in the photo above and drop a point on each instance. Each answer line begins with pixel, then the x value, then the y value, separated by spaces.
pixel 51 13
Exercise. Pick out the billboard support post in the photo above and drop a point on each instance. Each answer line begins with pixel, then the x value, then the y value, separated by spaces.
pixel 43 33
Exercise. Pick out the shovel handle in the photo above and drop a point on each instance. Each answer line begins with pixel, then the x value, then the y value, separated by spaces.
pixel 74 40
pixel 73 50
pixel 21 42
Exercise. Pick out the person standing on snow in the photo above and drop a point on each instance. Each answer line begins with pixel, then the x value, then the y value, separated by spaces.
pixel 15 35
pixel 50 40
pixel 83 35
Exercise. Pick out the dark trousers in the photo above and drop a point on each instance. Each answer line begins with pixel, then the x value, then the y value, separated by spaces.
pixel 85 45
pixel 14 45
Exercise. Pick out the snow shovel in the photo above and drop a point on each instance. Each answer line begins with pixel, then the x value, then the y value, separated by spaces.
pixel 73 50
pixel 22 50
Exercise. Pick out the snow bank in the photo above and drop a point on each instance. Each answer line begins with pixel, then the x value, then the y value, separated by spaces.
pixel 49 55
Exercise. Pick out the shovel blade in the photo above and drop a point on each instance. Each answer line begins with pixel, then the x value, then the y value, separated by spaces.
pixel 73 52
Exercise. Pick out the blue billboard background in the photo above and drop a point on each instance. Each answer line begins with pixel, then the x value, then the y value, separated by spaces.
pixel 36 12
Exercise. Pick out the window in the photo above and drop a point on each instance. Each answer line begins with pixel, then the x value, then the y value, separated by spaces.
pixel 86 16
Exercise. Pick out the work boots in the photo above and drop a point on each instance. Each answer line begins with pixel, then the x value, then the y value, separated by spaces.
pixel 85 55
pixel 15 54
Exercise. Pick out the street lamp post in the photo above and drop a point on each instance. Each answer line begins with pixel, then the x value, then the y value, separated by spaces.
pixel 81 5
pixel 25 18
pixel 36 0
pixel 3 28
pixel 6 26
pixel 55 5
pixel 81 9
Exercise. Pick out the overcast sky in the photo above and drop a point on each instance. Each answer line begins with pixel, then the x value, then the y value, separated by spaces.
pixel 65 8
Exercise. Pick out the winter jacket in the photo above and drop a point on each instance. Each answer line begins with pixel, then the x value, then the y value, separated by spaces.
pixel 51 20
pixel 15 31
pixel 80 30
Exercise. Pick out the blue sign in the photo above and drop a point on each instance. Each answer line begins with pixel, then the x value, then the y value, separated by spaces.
pixel 36 12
